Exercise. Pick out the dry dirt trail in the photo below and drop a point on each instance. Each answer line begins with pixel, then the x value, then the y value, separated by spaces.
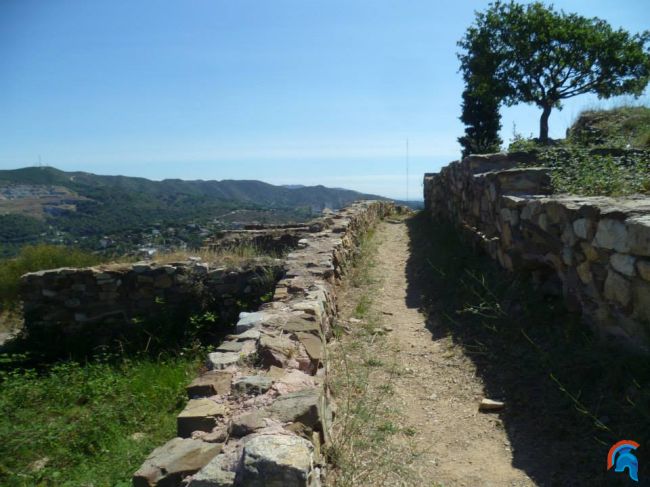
pixel 438 393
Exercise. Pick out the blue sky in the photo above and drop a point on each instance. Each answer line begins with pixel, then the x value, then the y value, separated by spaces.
pixel 301 91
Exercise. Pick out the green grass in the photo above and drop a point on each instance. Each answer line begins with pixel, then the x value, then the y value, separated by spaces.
pixel 35 258
pixel 88 424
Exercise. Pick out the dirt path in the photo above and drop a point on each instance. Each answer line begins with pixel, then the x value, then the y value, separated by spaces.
pixel 438 392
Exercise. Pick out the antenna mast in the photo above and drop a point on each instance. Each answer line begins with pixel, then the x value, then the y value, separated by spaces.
pixel 407 169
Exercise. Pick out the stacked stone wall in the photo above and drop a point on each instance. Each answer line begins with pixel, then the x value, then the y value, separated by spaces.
pixel 595 251
pixel 261 412
pixel 105 302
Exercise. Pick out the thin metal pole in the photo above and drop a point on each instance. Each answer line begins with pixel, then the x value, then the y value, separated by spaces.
pixel 407 169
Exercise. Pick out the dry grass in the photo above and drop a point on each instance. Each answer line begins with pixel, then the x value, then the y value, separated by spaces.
pixel 369 445
pixel 232 256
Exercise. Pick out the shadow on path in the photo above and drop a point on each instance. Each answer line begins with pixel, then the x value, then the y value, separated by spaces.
pixel 566 402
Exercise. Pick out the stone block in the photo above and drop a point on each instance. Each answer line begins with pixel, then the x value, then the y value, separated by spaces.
pixel 618 289
pixel 612 234
pixel 253 384
pixel 169 464
pixel 282 460
pixel 214 474
pixel 276 350
pixel 246 424
pixel 199 415
pixel 643 268
pixel 584 228
pixel 639 235
pixel 641 292
pixel 301 406
pixel 623 264
pixel 222 360
pixel 210 384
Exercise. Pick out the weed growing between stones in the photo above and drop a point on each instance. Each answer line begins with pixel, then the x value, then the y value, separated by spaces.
pixel 568 396
pixel 362 448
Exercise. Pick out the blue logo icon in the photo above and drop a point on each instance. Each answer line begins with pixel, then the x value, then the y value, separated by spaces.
pixel 621 457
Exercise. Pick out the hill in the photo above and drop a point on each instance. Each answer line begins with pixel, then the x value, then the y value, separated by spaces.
pixel 618 127
pixel 44 203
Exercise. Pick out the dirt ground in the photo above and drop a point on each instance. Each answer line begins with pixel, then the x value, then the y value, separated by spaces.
pixel 438 394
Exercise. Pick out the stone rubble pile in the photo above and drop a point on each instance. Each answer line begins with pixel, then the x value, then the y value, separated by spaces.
pixel 261 412
pixel 595 251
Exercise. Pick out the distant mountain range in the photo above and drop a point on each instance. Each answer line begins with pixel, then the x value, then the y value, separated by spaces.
pixel 35 199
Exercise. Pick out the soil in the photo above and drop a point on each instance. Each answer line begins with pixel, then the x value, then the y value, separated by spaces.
pixel 438 395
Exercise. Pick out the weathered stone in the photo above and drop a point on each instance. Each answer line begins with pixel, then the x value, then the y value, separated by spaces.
pixel 617 288
pixel 275 350
pixel 230 346
pixel 249 320
pixel 490 405
pixel 590 252
pixel 584 228
pixel 250 334
pixel 639 235
pixel 167 465
pixel 643 267
pixel 623 263
pixel 612 234
pixel 584 273
pixel 313 344
pixel 302 406
pixel 253 384
pixel 199 415
pixel 568 236
pixel 222 360
pixel 302 325
pixel 276 460
pixel 246 424
pixel 214 474
pixel 641 292
pixel 209 384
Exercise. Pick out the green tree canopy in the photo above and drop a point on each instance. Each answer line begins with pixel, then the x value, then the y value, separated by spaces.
pixel 543 56
pixel 481 97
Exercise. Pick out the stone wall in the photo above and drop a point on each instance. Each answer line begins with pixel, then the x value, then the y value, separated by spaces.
pixel 595 251
pixel 98 304
pixel 260 414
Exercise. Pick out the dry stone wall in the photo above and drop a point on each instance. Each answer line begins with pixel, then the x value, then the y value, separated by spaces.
pixel 595 251
pixel 104 302
pixel 260 413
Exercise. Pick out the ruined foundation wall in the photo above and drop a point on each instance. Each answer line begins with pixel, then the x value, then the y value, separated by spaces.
pixel 261 412
pixel 595 251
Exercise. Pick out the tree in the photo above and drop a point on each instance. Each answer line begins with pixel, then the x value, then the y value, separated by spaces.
pixel 544 56
pixel 481 99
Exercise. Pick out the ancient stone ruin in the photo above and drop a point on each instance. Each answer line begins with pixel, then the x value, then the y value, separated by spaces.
pixel 595 251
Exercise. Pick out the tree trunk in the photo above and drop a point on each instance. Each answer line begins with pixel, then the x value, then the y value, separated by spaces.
pixel 543 123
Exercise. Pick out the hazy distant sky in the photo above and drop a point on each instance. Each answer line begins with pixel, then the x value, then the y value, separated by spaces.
pixel 302 91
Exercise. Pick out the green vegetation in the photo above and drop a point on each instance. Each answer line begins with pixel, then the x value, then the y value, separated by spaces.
pixel 20 228
pixel 540 56
pixel 605 153
pixel 35 258
pixel 88 424
pixel 482 95
pixel 123 206
pixel 540 359
pixel 621 127
pixel 367 421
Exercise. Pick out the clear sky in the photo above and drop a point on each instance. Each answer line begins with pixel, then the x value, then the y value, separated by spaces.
pixel 286 91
